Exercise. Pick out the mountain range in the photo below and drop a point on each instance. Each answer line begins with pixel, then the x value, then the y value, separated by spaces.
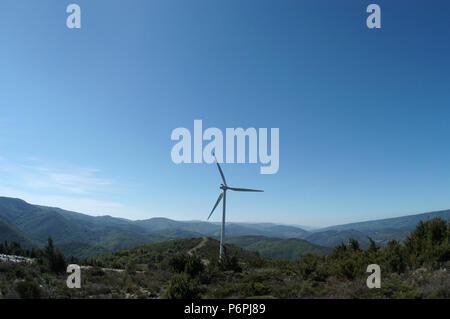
pixel 87 236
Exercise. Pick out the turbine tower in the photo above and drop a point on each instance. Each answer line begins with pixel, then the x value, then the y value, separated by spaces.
pixel 224 187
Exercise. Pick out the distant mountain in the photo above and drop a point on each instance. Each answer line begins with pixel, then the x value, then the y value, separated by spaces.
pixel 332 238
pixel 213 229
pixel 274 230
pixel 381 231
pixel 74 233
pixel 278 248
pixel 87 236
pixel 404 222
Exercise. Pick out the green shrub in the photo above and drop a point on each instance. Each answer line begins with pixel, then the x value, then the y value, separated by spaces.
pixel 193 266
pixel 177 262
pixel 230 263
pixel 28 290
pixel 181 286
pixel 394 258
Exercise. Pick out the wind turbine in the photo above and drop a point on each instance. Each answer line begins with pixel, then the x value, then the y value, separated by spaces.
pixel 224 187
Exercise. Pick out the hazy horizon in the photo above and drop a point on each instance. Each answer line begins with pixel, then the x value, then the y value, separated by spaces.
pixel 304 226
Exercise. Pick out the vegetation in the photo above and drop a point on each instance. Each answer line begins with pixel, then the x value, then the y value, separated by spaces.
pixel 189 268
pixel 277 248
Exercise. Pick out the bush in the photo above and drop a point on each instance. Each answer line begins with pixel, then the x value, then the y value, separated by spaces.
pixel 131 268
pixel 348 269
pixel 257 289
pixel 193 266
pixel 181 286
pixel 177 262
pixel 28 290
pixel 307 265
pixel 230 263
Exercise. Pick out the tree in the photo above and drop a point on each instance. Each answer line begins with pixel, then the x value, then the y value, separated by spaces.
pixel 372 246
pixel 55 259
pixel 354 244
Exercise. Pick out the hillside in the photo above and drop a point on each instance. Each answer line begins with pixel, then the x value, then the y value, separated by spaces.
pixel 155 253
pixel 417 268
pixel 10 233
pixel 381 231
pixel 278 248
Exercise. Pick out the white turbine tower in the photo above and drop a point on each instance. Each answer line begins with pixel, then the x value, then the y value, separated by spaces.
pixel 224 187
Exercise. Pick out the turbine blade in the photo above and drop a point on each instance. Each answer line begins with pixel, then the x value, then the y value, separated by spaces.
pixel 217 203
pixel 244 189
pixel 220 170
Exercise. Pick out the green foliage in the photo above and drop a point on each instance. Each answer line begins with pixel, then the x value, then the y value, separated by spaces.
pixel 307 266
pixel 178 262
pixel 28 290
pixel 131 268
pixel 56 260
pixel 429 242
pixel 193 266
pixel 354 244
pixel 229 262
pixel 181 286
pixel 394 257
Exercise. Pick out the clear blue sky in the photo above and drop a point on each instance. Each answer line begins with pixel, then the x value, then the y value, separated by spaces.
pixel 86 115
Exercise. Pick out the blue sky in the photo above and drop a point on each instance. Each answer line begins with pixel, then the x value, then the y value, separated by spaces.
pixel 86 115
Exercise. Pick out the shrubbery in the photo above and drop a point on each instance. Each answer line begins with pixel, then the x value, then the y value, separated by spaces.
pixel 28 290
pixel 181 286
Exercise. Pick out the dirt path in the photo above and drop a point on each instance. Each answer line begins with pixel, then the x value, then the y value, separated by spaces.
pixel 200 245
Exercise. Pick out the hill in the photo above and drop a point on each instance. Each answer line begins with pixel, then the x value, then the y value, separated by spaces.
pixel 278 248
pixel 157 252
